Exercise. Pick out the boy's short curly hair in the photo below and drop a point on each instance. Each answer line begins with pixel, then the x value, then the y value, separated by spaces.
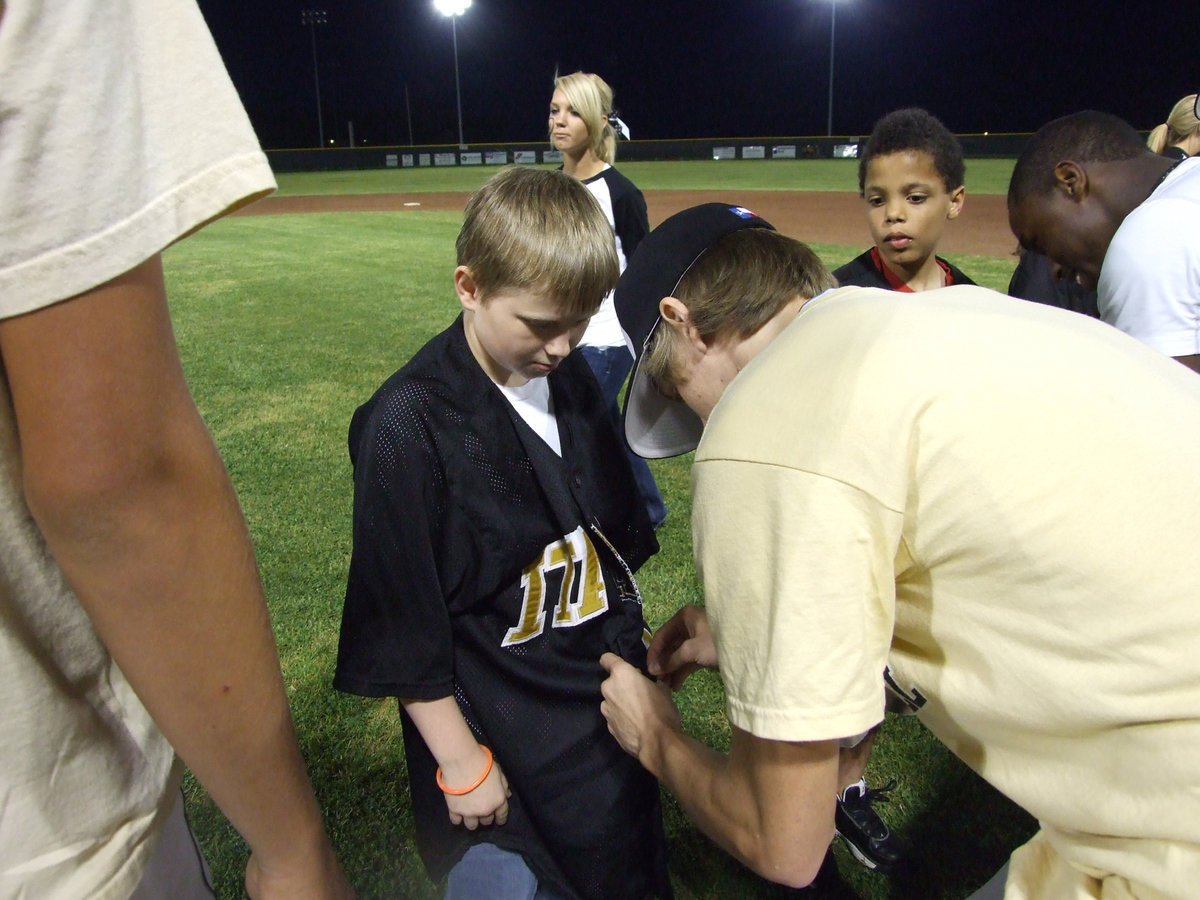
pixel 915 129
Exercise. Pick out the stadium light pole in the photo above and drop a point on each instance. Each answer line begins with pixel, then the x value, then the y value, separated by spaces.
pixel 312 18
pixel 833 5
pixel 454 9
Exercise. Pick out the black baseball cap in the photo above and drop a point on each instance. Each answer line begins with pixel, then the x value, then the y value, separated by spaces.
pixel 655 425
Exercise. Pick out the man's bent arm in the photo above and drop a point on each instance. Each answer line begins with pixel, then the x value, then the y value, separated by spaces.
pixel 768 803
pixel 135 504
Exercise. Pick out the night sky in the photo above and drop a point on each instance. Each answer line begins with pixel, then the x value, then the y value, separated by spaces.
pixel 701 69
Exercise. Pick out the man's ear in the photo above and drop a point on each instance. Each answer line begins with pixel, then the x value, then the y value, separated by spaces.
pixel 1071 179
pixel 466 288
pixel 678 317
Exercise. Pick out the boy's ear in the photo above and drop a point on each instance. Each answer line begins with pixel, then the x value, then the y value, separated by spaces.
pixel 466 288
pixel 1071 179
pixel 957 196
pixel 679 318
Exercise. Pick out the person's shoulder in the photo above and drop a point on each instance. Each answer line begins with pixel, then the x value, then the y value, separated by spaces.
pixel 436 362
pixel 957 275
pixel 618 182
pixel 860 303
pixel 434 381
pixel 1179 188
pixel 578 401
pixel 574 377
pixel 615 175
pixel 860 272
pixel 1167 218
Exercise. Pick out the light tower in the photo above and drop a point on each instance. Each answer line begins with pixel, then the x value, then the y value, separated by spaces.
pixel 454 9
pixel 312 18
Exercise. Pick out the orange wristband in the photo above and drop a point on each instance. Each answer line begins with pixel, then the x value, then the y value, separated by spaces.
pixel 458 792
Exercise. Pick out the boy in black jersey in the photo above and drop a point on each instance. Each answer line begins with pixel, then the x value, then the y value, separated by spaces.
pixel 911 176
pixel 496 527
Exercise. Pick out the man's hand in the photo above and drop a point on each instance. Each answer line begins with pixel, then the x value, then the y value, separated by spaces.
pixel 486 805
pixel 683 645
pixel 768 802
pixel 636 708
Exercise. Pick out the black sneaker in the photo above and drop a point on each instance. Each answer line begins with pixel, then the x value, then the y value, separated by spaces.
pixel 867 835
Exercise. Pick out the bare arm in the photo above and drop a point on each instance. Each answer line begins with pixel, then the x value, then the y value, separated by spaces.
pixel 768 803
pixel 137 508
pixel 461 759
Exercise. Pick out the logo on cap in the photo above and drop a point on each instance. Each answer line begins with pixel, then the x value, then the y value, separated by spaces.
pixel 743 212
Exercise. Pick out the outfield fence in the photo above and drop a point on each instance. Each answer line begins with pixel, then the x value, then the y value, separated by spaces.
pixel 975 146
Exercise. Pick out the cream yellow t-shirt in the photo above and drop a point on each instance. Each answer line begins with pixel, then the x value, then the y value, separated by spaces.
pixel 119 133
pixel 1001 502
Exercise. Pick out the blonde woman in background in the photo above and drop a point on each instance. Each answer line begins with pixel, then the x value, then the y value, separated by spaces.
pixel 1179 136
pixel 583 127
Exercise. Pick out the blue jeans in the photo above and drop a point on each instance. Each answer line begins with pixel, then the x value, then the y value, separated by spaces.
pixel 176 868
pixel 488 873
pixel 994 889
pixel 611 366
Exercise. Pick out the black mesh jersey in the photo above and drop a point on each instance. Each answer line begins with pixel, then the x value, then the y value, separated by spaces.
pixel 486 567
pixel 863 272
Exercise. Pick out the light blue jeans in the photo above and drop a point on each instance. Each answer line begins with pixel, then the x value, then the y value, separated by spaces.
pixel 488 873
pixel 177 868
pixel 994 889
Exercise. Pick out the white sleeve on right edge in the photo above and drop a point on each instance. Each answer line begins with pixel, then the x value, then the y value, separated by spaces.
pixel 1149 285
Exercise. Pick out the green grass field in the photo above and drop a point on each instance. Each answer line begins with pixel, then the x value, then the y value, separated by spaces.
pixel 984 176
pixel 286 324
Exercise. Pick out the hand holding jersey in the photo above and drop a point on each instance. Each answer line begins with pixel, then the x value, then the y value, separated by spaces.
pixel 631 702
pixel 636 707
pixel 681 646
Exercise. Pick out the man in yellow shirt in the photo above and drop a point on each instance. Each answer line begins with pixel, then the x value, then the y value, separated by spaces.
pixel 892 485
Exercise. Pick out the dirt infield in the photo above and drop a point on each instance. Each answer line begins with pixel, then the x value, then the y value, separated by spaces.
pixel 816 216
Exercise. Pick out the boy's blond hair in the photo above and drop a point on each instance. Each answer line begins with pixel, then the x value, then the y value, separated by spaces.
pixel 591 97
pixel 541 231
pixel 738 285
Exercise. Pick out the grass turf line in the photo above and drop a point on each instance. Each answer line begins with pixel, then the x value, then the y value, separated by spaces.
pixel 984 176
pixel 285 325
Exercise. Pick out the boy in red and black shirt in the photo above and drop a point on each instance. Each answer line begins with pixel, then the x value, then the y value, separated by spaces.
pixel 911 176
